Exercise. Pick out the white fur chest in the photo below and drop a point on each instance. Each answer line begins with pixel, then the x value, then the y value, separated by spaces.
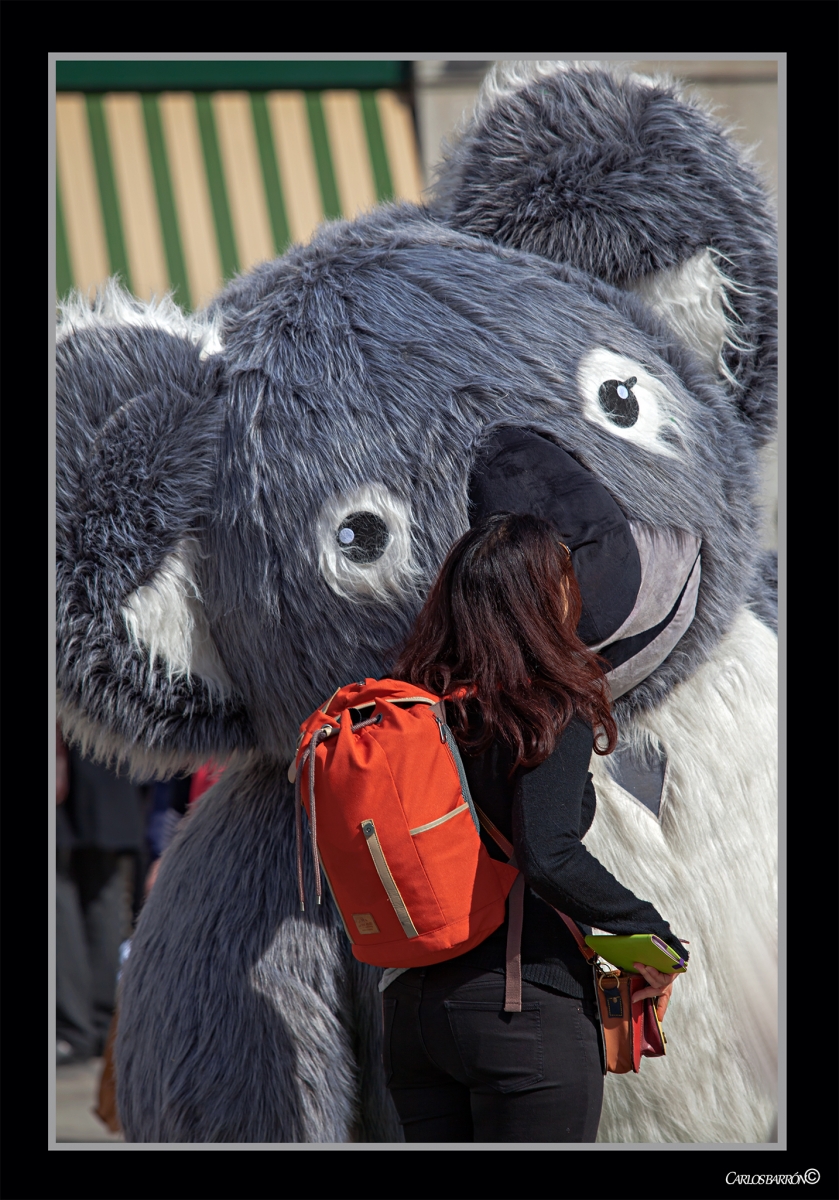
pixel 709 864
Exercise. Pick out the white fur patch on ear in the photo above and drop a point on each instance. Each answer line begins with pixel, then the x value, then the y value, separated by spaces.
pixel 387 578
pixel 166 617
pixel 655 407
pixel 693 299
pixel 113 307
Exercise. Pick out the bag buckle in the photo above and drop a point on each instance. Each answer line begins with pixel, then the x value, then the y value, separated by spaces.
pixel 609 984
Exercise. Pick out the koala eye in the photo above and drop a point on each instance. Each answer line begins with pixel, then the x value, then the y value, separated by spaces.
pixel 618 401
pixel 632 402
pixel 363 537
pixel 364 545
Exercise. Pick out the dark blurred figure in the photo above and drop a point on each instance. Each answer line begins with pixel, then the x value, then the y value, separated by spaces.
pixel 100 853
pixel 169 805
pixel 171 802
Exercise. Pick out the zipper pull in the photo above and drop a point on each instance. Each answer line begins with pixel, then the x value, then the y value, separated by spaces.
pixel 440 728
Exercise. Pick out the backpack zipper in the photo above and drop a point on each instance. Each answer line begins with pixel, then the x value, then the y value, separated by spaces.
pixel 432 824
pixel 368 828
pixel 448 740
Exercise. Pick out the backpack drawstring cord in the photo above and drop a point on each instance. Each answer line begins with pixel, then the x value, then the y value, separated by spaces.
pixel 309 753
pixel 298 823
pixel 317 736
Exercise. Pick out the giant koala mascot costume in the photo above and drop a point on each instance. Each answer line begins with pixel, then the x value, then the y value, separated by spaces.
pixel 596 267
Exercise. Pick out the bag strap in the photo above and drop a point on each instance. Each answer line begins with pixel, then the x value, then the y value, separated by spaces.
pixel 586 951
pixel 496 835
pixel 517 899
pixel 512 988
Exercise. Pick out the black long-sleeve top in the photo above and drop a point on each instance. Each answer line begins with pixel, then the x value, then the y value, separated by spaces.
pixel 545 812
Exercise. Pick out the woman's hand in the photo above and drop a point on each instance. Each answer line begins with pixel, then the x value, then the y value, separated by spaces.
pixel 661 986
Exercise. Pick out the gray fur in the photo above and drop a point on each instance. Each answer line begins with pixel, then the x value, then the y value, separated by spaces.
pixel 137 439
pixel 622 179
pixel 364 296
pixel 763 599
pixel 275 1061
pixel 377 357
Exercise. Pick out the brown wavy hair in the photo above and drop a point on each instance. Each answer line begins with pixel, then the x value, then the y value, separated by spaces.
pixel 497 633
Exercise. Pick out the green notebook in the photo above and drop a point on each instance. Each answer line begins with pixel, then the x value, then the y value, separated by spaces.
pixel 645 948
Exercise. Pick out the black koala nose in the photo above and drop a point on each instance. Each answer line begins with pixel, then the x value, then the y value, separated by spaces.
pixel 518 470
pixel 363 537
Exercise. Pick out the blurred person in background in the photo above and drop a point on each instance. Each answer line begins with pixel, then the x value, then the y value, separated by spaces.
pixel 171 802
pixel 100 848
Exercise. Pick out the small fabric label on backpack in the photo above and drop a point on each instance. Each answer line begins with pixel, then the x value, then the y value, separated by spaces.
pixel 365 923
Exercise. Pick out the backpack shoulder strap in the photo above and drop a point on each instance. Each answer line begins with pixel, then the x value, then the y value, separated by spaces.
pixel 499 839
pixel 512 991
pixel 496 835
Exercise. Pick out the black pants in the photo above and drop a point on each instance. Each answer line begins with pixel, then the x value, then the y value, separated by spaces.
pixel 93 917
pixel 460 1069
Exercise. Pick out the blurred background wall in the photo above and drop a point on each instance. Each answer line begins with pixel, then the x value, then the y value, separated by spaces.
pixel 177 175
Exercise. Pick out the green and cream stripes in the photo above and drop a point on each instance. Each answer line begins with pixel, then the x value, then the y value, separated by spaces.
pixel 180 190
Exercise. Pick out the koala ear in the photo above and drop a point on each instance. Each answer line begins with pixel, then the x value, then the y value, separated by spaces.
pixel 139 393
pixel 630 181
pixel 693 298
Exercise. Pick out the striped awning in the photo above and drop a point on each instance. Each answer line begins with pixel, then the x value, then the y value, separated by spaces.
pixel 181 190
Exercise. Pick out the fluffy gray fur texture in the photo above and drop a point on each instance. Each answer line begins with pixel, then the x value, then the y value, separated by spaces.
pixel 622 179
pixel 269 1027
pixel 376 357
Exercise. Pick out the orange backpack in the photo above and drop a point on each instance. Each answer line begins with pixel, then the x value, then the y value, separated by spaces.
pixel 393 827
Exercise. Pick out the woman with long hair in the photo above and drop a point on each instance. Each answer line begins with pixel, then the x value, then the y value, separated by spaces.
pixel 527 703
